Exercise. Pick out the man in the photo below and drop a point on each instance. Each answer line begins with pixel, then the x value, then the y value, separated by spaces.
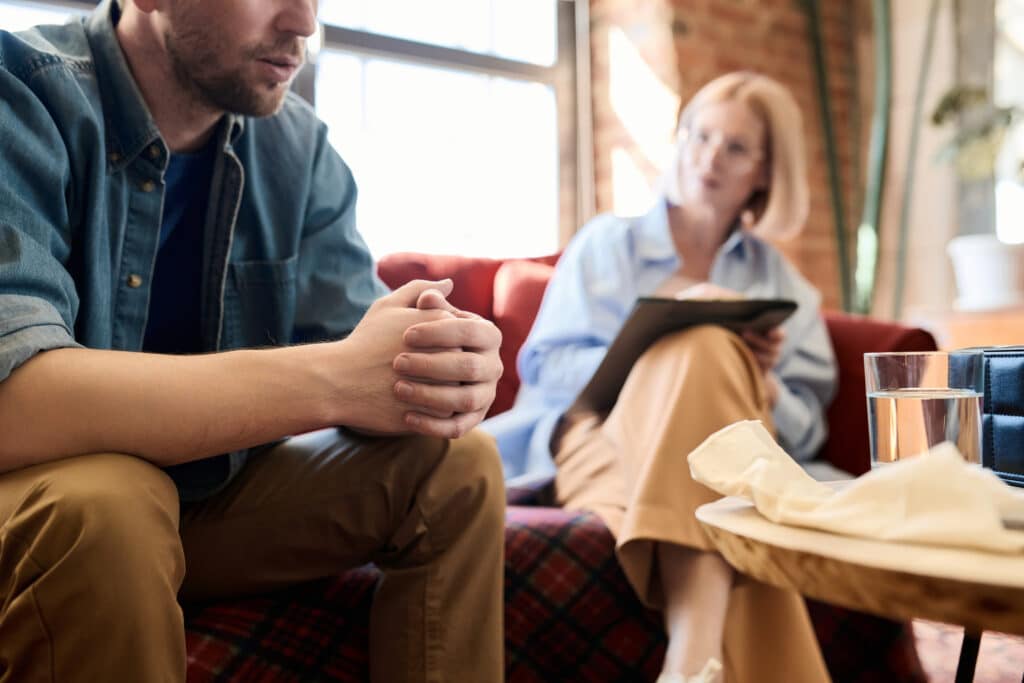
pixel 167 208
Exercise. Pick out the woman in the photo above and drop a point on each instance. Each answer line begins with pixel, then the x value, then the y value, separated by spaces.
pixel 738 175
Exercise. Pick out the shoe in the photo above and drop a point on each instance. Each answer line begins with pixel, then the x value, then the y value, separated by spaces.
pixel 711 673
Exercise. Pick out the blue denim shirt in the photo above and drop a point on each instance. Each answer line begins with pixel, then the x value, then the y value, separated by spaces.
pixel 81 191
pixel 609 264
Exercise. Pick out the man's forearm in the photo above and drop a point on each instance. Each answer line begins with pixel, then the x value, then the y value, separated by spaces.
pixel 167 409
pixel 172 409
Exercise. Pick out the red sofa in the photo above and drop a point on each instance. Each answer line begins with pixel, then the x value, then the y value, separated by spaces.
pixel 569 614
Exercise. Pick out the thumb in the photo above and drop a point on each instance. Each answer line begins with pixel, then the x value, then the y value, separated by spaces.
pixel 408 294
pixel 434 299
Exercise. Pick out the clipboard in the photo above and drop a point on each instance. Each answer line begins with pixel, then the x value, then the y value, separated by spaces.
pixel 653 317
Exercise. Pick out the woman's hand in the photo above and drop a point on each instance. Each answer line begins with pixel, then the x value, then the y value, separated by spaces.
pixel 766 345
pixel 706 290
pixel 767 348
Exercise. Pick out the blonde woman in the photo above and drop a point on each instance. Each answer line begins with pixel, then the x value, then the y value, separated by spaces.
pixel 738 177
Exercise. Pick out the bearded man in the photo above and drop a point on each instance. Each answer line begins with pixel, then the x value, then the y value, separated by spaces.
pixel 182 290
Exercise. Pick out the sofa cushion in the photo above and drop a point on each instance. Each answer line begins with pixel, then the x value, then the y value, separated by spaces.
pixel 848 445
pixel 473 277
pixel 518 288
pixel 570 616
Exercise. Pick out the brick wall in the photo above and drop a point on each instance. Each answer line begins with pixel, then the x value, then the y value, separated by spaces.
pixel 650 55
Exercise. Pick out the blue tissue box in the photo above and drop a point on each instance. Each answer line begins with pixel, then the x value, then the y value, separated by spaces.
pixel 1002 429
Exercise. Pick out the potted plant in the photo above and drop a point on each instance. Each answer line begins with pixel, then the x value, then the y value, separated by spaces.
pixel 989 272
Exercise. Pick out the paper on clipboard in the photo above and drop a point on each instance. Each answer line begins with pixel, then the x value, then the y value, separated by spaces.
pixel 653 317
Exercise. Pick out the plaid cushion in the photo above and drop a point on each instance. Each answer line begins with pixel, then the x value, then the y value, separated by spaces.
pixel 569 616
pixel 314 632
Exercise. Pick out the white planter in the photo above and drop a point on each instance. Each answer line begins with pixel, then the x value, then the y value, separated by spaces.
pixel 989 273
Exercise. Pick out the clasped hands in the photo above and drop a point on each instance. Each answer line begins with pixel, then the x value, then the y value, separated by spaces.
pixel 766 345
pixel 421 365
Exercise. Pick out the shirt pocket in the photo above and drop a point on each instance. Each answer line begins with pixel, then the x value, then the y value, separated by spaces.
pixel 259 303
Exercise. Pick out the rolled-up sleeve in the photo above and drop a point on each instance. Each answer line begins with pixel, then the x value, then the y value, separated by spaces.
pixel 28 325
pixel 38 298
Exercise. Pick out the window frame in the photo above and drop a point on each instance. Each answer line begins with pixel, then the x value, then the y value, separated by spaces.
pixel 569 76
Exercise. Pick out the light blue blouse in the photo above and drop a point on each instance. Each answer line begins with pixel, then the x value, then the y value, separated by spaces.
pixel 607 266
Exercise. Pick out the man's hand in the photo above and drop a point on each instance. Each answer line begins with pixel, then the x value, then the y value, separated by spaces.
pixel 452 370
pixel 422 365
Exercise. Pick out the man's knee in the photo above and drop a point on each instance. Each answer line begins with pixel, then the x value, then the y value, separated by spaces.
pixel 98 512
pixel 469 478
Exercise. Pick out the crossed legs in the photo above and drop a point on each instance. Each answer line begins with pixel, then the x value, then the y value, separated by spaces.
pixel 630 468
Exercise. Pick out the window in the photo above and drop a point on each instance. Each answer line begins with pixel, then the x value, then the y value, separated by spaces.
pixel 446 161
pixel 1009 90
pixel 455 130
pixel 23 14
pixel 522 30
pixel 461 133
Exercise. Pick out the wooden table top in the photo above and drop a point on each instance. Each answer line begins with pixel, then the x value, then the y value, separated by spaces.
pixel 975 589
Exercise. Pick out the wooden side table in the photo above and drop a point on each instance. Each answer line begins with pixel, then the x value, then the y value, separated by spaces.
pixel 960 329
pixel 974 589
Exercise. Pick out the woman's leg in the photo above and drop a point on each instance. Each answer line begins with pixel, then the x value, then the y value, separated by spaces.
pixel 630 468
pixel 696 586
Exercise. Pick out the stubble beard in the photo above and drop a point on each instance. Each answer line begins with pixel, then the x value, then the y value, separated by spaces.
pixel 198 68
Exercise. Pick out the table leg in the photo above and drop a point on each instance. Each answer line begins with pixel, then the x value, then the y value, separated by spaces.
pixel 968 657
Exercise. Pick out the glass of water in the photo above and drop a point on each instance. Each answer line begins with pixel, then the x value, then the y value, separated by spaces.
pixel 918 400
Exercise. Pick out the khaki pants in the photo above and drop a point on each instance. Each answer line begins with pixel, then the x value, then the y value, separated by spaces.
pixel 94 554
pixel 630 468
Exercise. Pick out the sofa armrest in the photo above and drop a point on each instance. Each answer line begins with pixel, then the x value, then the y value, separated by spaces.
pixel 848 446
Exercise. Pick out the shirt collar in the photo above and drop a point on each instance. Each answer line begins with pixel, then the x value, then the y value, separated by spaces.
pixel 655 241
pixel 130 128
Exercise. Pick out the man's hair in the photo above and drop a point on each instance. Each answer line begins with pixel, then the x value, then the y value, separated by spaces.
pixel 780 211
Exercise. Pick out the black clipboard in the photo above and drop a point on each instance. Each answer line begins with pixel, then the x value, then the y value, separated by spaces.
pixel 653 317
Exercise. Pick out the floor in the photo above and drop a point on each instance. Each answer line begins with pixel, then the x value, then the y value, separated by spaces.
pixel 1000 660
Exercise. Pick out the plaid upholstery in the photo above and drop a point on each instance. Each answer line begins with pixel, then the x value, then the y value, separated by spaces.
pixel 569 613
pixel 314 632
pixel 569 616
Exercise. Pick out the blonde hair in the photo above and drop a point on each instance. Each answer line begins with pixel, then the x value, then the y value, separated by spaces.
pixel 780 210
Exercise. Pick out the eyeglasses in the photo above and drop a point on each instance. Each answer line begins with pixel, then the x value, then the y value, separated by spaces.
pixel 737 157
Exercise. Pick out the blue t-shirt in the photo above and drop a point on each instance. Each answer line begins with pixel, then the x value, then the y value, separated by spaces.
pixel 174 301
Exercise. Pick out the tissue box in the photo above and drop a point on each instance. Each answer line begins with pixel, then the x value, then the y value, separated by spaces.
pixel 1002 447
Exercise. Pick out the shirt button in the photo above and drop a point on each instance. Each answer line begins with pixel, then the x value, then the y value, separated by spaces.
pixel 114 157
pixel 134 280
pixel 148 186
pixel 153 151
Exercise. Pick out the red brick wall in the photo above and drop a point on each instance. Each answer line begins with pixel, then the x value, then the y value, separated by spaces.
pixel 688 42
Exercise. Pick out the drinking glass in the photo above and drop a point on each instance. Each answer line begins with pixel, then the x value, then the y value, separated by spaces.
pixel 920 399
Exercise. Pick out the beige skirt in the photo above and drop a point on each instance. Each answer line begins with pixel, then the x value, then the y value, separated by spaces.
pixel 629 467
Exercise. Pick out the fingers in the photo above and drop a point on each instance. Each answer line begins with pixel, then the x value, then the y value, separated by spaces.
pixel 466 330
pixel 450 428
pixel 408 294
pixel 766 346
pixel 449 366
pixel 444 400
pixel 706 290
pixel 766 339
pixel 434 299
